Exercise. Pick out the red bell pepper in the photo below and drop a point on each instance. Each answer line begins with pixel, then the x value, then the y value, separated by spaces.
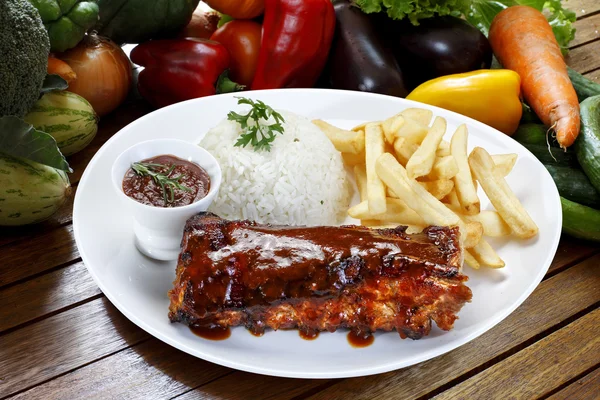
pixel 296 38
pixel 182 69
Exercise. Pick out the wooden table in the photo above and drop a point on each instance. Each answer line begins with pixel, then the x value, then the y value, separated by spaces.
pixel 61 338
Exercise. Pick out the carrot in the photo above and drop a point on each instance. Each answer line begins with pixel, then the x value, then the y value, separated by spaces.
pixel 523 41
pixel 61 68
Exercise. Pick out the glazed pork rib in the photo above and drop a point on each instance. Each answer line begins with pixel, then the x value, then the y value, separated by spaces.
pixel 315 279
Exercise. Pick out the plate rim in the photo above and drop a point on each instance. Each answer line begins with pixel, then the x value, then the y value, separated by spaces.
pixel 351 371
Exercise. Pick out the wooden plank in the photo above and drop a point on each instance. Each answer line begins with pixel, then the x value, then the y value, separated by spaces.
pixel 555 300
pixel 37 254
pixel 539 368
pixel 150 370
pixel 48 293
pixel 571 251
pixel 585 388
pixel 594 76
pixel 61 343
pixel 583 8
pixel 63 216
pixel 243 385
pixel 588 30
pixel 585 58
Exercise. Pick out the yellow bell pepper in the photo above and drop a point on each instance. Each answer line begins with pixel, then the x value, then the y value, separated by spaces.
pixel 490 96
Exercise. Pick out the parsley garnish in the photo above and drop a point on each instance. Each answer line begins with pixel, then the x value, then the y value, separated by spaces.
pixel 259 136
pixel 161 179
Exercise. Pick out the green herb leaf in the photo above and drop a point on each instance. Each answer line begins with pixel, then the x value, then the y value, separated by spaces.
pixel 414 10
pixel 260 136
pixel 52 83
pixel 167 185
pixel 19 139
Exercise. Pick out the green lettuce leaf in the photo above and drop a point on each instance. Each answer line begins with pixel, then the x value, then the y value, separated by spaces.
pixel 482 12
pixel 19 139
pixel 414 10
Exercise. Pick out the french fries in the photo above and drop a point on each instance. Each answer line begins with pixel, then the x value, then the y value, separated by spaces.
pixel 396 211
pixel 419 115
pixel 463 181
pixel 504 163
pixel 501 196
pixel 492 222
pixel 421 162
pixel 374 147
pixel 444 168
pixel 389 156
pixel 352 142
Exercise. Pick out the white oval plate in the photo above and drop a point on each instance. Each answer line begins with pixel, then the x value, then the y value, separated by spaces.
pixel 138 286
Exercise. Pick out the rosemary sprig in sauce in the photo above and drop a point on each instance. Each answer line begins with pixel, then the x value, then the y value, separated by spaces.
pixel 161 179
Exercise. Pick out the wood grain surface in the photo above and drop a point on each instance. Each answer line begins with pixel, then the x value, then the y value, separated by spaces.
pixel 60 338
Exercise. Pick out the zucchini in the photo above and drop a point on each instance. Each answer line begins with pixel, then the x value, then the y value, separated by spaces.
pixel 553 156
pixel 574 185
pixel 587 146
pixel 67 117
pixel 531 134
pixel 583 86
pixel 29 192
pixel 580 221
pixel 529 116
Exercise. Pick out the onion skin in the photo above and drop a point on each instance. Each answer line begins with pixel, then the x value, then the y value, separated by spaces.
pixel 103 73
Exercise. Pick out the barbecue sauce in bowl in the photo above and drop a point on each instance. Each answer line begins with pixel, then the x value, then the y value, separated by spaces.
pixel 166 181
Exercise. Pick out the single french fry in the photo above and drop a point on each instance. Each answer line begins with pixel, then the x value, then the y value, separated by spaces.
pixel 352 160
pixel 360 174
pixel 463 181
pixel 396 212
pixel 420 115
pixel 451 200
pixel 404 149
pixel 492 222
pixel 486 255
pixel 443 149
pixel 504 163
pixel 390 193
pixel 390 126
pixel 421 162
pixel 439 188
pixel 412 130
pixel 444 168
pixel 470 260
pixel 374 147
pixel 352 142
pixel 361 127
pixel 414 195
pixel 474 234
pixel 500 194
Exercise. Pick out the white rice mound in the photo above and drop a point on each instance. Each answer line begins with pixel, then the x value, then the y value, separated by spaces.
pixel 300 181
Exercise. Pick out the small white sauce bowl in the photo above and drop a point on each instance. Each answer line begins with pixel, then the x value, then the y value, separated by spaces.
pixel 159 230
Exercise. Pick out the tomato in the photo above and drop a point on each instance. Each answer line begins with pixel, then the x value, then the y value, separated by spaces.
pixel 238 9
pixel 242 39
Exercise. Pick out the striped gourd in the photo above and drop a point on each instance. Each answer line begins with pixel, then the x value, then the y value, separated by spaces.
pixel 29 192
pixel 68 117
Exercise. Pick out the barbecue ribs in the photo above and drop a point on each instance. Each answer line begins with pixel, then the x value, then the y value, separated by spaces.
pixel 315 279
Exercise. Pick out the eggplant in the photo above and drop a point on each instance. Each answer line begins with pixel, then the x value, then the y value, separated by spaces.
pixel 359 58
pixel 438 46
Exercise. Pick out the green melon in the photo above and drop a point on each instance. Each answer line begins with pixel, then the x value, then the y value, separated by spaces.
pixel 68 117
pixel 30 192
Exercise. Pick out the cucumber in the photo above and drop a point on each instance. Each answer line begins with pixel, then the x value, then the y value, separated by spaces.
pixel 587 145
pixel 574 185
pixel 531 134
pixel 553 156
pixel 529 116
pixel 29 192
pixel 580 221
pixel 68 117
pixel 583 86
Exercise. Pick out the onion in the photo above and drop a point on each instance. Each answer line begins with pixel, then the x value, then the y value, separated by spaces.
pixel 103 72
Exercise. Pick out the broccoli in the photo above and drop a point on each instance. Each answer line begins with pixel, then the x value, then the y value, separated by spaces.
pixel 24 48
